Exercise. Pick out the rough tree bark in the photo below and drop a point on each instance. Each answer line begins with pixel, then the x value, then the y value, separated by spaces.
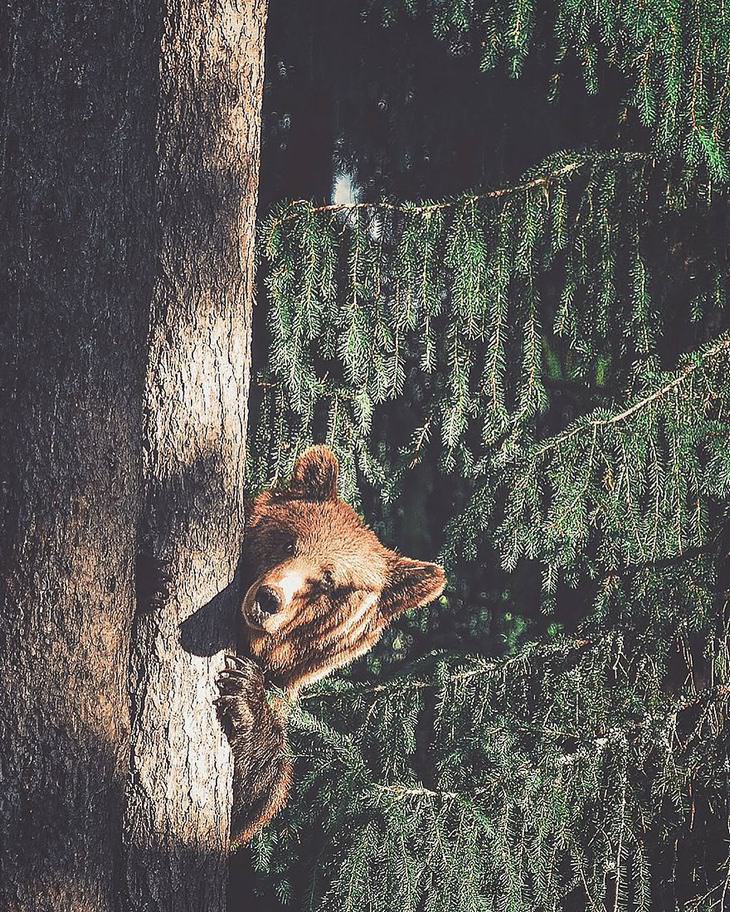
pixel 129 155
pixel 196 387
pixel 77 163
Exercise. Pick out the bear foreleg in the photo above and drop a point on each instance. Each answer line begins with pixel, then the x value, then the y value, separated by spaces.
pixel 262 764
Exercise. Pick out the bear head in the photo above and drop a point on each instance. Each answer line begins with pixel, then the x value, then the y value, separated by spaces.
pixel 320 588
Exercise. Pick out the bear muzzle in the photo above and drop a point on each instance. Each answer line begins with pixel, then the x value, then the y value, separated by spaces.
pixel 272 598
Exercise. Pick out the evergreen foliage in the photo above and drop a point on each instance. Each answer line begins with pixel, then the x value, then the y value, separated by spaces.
pixel 554 356
pixel 481 302
pixel 674 56
pixel 562 777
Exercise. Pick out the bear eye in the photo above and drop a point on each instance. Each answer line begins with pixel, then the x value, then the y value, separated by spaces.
pixel 290 546
pixel 328 582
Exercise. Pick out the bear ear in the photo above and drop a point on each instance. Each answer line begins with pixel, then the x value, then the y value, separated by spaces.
pixel 256 506
pixel 411 584
pixel 315 475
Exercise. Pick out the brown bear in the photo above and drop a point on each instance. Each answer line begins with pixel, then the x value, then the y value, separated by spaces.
pixel 320 589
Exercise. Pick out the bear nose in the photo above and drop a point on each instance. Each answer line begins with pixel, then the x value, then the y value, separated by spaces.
pixel 268 599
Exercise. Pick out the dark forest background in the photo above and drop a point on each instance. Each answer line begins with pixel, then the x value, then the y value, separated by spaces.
pixel 378 107
pixel 584 762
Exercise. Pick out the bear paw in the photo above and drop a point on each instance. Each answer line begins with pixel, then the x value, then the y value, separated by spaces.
pixel 241 687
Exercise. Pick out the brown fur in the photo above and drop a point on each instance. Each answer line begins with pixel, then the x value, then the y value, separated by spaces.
pixel 339 589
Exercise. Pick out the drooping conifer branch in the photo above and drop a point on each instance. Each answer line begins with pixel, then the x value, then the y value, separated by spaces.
pixel 363 295
pixel 675 58
pixel 514 342
pixel 290 210
pixel 615 472
pixel 715 354
pixel 543 741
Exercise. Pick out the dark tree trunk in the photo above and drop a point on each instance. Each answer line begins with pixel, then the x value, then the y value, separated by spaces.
pixel 77 165
pixel 194 442
pixel 129 155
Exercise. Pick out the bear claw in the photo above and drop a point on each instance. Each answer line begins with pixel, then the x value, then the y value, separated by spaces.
pixel 240 688
pixel 241 662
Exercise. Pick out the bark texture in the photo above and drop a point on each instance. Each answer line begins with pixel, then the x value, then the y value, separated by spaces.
pixel 129 154
pixel 77 253
pixel 177 817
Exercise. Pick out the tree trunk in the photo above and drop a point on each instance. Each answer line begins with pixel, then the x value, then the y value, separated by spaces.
pixel 194 444
pixel 77 164
pixel 129 150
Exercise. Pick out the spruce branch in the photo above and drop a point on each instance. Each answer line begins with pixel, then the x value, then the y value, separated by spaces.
pixel 716 351
pixel 602 479
pixel 674 59
pixel 294 208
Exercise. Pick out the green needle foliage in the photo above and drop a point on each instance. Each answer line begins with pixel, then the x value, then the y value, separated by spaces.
pixel 674 56
pixel 639 481
pixel 473 297
pixel 548 364
pixel 562 777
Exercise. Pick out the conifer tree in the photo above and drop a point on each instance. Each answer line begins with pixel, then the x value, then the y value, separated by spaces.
pixel 551 353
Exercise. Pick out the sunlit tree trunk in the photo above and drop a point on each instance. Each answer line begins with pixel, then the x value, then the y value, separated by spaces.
pixel 129 153
pixel 77 252
pixel 194 449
